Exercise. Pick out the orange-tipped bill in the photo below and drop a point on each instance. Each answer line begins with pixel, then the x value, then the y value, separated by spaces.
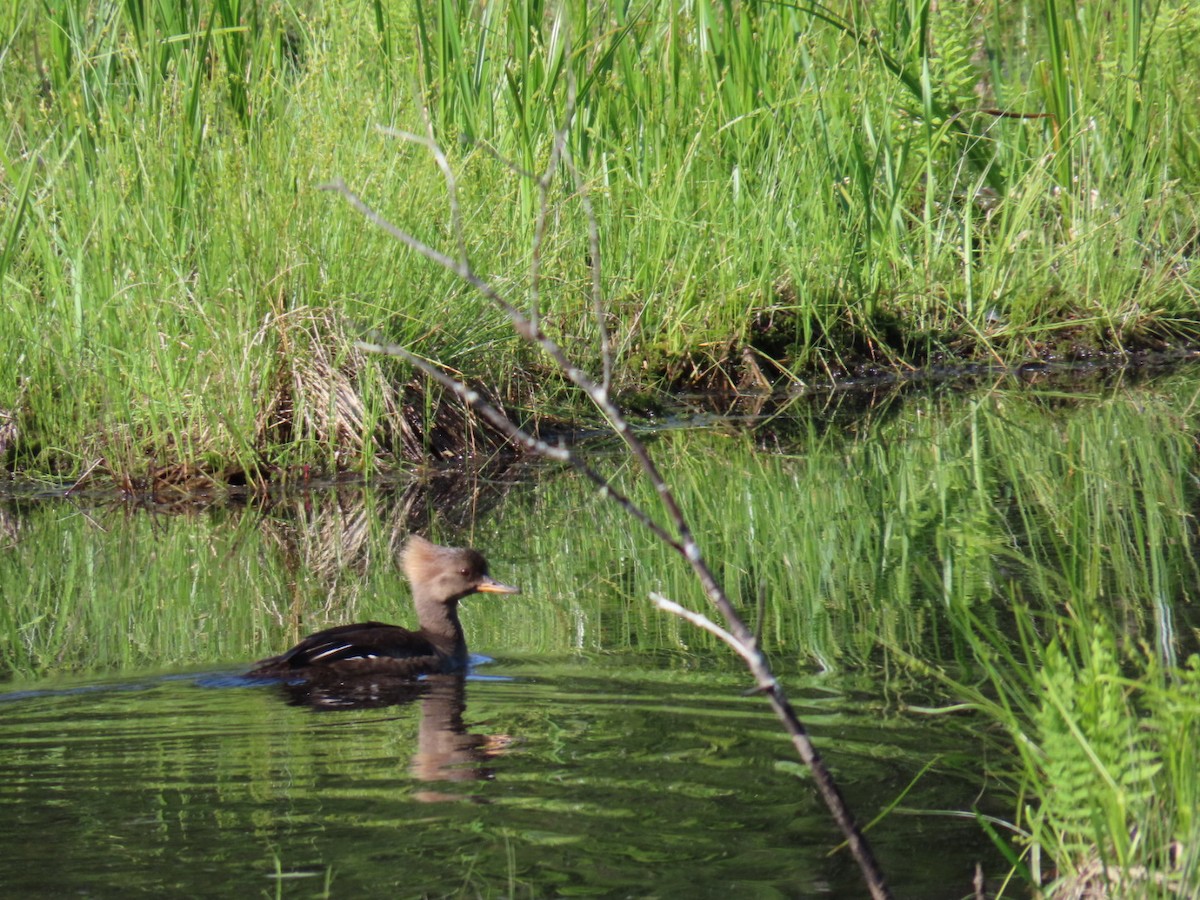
pixel 492 586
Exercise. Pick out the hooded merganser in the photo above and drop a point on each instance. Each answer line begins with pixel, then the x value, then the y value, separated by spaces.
pixel 440 577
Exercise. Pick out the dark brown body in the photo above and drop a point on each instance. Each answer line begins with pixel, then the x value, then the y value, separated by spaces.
pixel 440 577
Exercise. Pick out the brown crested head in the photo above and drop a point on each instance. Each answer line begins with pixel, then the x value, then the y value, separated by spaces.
pixel 447 574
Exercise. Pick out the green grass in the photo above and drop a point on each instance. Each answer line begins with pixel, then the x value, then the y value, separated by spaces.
pixel 821 188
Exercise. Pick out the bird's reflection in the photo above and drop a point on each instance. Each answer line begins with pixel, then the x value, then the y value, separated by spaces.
pixel 446 750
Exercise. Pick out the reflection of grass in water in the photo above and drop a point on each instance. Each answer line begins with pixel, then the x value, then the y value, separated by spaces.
pixel 855 543
pixel 1042 544
pixel 1032 551
pixel 1091 561
pixel 281 878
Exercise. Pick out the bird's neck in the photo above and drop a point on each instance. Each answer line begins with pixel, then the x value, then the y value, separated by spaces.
pixel 440 626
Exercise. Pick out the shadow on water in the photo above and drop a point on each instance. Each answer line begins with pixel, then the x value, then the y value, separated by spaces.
pixel 613 752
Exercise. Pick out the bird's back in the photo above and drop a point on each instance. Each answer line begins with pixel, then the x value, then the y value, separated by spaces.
pixel 364 648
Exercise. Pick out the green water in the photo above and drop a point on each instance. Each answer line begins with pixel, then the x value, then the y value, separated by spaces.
pixel 575 778
pixel 885 542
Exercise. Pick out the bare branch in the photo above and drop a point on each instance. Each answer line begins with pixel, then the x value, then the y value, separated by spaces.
pixel 518 435
pixel 594 257
pixel 595 392
pixel 539 232
pixel 461 270
pixel 598 311
pixel 460 234
pixel 702 621
pixel 736 634
pixel 403 135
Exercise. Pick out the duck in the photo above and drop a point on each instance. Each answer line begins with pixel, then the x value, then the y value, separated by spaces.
pixel 440 577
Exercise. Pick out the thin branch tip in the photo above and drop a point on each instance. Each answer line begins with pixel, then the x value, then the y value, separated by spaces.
pixel 403 135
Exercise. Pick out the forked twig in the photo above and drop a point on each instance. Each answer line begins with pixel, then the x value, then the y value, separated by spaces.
pixel 528 327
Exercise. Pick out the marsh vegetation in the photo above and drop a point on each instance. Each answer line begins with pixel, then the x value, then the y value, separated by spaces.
pixel 782 190
pixel 784 194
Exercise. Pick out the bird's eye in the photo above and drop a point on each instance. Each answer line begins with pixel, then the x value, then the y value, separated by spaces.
pixel 464 572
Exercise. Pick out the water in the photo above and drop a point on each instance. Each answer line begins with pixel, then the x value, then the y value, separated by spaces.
pixel 582 778
pixel 605 748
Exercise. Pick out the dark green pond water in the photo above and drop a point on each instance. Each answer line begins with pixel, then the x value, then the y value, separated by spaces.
pixel 585 777
pixel 605 749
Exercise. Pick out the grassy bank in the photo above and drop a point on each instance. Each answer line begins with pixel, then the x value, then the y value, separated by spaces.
pixel 906 184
